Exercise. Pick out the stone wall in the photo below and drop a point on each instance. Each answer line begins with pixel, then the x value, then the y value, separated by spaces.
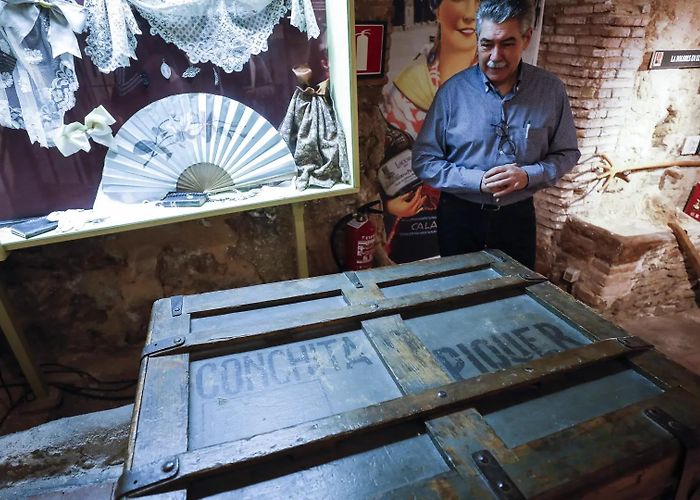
pixel 595 47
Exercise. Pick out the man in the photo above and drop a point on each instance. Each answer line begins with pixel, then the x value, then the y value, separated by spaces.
pixel 494 135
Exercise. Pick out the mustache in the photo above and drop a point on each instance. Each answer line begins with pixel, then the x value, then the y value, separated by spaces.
pixel 495 65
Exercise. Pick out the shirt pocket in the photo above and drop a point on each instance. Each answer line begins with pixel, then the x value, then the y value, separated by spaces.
pixel 532 144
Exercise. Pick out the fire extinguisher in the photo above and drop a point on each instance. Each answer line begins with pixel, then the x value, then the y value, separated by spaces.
pixel 359 239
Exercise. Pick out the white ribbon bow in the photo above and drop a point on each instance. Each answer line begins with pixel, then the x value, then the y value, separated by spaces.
pixel 65 19
pixel 76 136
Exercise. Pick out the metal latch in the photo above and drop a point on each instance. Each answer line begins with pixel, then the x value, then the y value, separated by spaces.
pixel 634 343
pixel 352 276
pixel 176 305
pixel 146 477
pixel 690 441
pixel 499 482
pixel 532 277
pixel 162 345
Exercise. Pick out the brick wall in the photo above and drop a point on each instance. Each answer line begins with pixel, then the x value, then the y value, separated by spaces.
pixel 595 47
pixel 623 275
pixel 600 49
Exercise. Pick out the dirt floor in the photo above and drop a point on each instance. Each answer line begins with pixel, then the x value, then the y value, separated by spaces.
pixel 677 336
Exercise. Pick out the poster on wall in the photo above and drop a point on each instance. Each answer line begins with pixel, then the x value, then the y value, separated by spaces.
pixel 424 53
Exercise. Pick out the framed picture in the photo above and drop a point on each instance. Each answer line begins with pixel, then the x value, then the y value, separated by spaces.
pixel 369 48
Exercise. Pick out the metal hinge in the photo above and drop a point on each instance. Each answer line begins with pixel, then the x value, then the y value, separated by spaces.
pixel 690 440
pixel 176 305
pixel 499 482
pixel 352 276
pixel 147 477
pixel 162 345
pixel 494 255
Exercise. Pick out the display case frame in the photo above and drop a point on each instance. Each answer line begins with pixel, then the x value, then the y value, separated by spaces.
pixel 341 60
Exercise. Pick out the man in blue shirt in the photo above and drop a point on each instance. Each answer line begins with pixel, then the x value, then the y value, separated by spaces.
pixel 495 134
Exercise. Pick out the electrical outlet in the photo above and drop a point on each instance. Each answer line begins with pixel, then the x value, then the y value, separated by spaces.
pixel 691 144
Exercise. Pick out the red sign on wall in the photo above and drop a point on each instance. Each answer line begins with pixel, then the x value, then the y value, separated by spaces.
pixel 369 49
pixel 692 207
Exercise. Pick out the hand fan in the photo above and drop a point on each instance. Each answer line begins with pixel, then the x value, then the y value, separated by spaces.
pixel 194 142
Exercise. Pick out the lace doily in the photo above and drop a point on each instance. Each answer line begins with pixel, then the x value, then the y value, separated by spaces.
pixel 303 18
pixel 40 88
pixel 112 34
pixel 224 32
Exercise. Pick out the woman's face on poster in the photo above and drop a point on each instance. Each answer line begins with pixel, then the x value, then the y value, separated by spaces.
pixel 457 20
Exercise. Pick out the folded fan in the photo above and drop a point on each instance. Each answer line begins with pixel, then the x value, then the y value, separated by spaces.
pixel 194 142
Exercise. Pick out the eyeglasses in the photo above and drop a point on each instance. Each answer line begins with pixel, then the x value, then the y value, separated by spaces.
pixel 506 146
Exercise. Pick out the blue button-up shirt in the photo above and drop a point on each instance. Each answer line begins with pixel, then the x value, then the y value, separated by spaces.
pixel 458 141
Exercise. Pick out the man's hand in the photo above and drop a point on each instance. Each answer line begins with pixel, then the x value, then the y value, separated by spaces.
pixel 503 180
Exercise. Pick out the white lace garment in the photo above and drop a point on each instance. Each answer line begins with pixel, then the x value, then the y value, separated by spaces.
pixel 112 34
pixel 223 32
pixel 37 74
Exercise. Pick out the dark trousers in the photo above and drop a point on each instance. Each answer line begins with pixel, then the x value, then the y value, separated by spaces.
pixel 465 227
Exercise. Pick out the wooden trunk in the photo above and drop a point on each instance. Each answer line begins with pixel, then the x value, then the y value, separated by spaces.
pixel 460 377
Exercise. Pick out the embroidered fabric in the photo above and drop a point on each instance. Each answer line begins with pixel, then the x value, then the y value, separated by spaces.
pixel 40 88
pixel 316 140
pixel 224 32
pixel 303 18
pixel 112 28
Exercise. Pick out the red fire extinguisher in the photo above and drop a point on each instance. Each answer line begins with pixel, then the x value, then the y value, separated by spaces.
pixel 359 239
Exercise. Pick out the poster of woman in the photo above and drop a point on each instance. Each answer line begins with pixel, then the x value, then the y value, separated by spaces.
pixel 435 40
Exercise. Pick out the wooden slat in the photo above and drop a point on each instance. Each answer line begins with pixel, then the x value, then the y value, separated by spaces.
pixel 506 265
pixel 663 371
pixel 350 317
pixel 448 485
pixel 460 434
pixel 619 455
pixel 577 313
pixel 161 410
pixel 266 293
pixel 410 363
pixel 427 269
pixel 325 432
pixel 369 292
pixel 652 364
pixel 594 454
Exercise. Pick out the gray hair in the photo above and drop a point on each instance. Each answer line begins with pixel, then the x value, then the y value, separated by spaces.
pixel 500 11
